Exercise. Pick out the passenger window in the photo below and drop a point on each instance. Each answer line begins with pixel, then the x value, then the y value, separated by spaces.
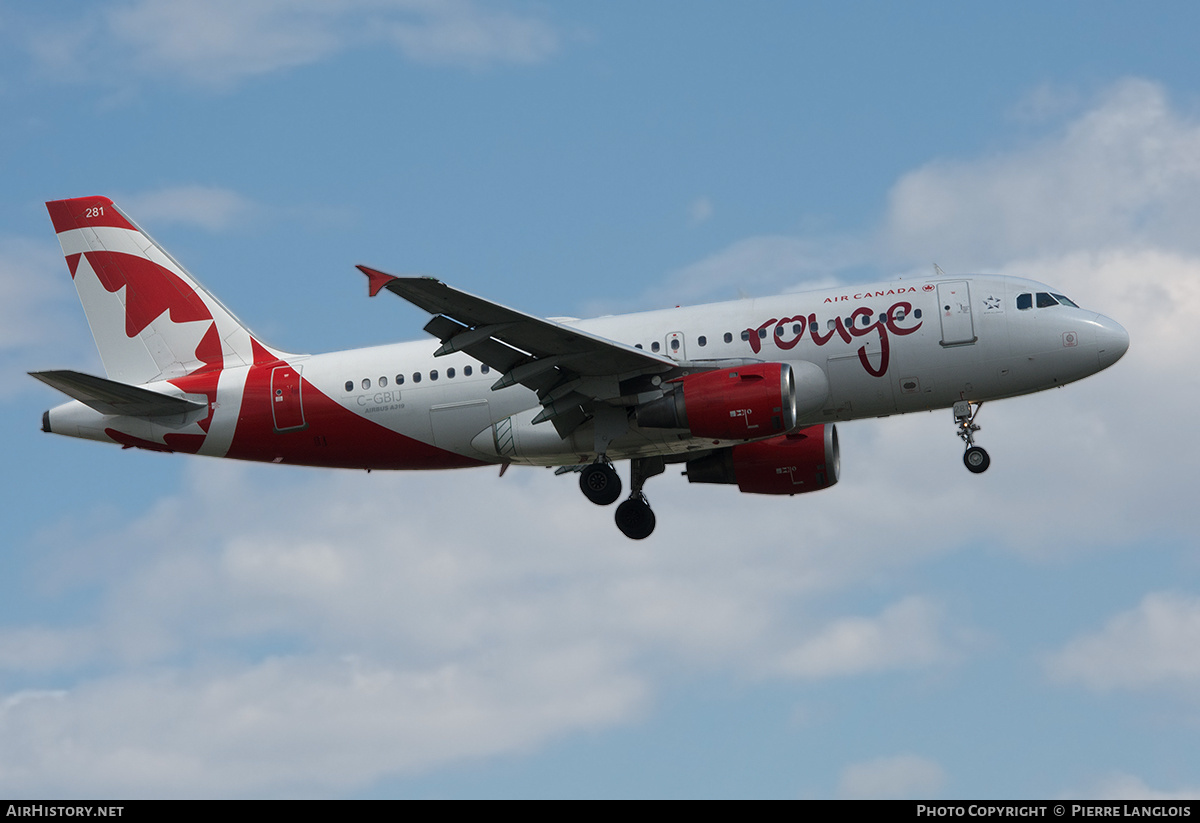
pixel 729 337
pixel 674 344
pixel 1045 301
pixel 416 377
pixel 466 371
pixel 746 335
pixel 349 385
pixel 399 380
pixel 450 374
pixel 637 345
pixel 433 374
pixel 654 346
pixel 899 314
pixel 702 340
pixel 366 384
pixel 814 327
pixel 1024 301
pixel 484 369
pixel 917 313
pixel 382 382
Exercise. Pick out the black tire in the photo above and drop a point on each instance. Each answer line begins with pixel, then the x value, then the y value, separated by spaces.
pixel 635 519
pixel 600 484
pixel 976 460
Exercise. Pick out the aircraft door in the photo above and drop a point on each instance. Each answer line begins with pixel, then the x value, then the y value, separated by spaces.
pixel 675 347
pixel 287 406
pixel 954 306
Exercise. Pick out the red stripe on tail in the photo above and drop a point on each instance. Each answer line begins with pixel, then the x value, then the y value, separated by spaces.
pixel 85 211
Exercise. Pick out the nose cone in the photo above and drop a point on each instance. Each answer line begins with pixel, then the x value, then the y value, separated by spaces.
pixel 1112 341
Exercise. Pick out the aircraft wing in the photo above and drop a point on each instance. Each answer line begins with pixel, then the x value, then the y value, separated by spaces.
pixel 570 369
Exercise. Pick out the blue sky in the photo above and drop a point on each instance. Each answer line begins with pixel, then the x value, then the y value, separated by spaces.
pixel 187 627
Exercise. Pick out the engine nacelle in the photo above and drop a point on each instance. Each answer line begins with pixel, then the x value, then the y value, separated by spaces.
pixel 736 403
pixel 795 463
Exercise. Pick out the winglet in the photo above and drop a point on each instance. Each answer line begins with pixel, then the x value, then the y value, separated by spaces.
pixel 376 279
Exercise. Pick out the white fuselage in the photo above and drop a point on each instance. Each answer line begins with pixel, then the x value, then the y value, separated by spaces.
pixel 885 349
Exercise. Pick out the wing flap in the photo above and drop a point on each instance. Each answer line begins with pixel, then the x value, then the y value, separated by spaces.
pixel 110 397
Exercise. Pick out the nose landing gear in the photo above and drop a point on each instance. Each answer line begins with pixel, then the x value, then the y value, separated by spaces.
pixel 974 458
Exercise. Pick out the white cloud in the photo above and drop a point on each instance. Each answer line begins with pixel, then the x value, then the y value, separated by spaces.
pixel 425 618
pixel 1120 786
pixel 41 324
pixel 1121 178
pixel 756 266
pixel 33 281
pixel 218 43
pixel 210 207
pixel 462 33
pixel 898 777
pixel 1125 172
pixel 906 635
pixel 1152 645
pixel 288 725
pixel 37 648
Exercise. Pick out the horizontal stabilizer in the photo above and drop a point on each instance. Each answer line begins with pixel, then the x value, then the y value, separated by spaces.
pixel 111 397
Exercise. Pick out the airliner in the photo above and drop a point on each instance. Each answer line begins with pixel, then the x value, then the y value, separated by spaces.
pixel 745 393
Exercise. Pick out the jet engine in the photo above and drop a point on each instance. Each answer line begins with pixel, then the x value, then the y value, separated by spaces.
pixel 795 463
pixel 741 402
pixel 738 403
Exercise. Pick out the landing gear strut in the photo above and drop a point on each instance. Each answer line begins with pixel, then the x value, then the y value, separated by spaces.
pixel 975 458
pixel 634 517
pixel 599 483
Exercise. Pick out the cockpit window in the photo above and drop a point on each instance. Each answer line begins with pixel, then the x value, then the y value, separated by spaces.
pixel 1044 300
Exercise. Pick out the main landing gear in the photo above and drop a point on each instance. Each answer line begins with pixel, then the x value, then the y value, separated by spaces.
pixel 600 484
pixel 974 458
pixel 634 517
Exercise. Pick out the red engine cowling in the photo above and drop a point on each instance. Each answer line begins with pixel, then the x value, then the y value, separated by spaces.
pixel 795 463
pixel 737 403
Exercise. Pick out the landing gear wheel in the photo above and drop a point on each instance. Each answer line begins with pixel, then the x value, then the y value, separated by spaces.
pixel 976 460
pixel 600 484
pixel 635 518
